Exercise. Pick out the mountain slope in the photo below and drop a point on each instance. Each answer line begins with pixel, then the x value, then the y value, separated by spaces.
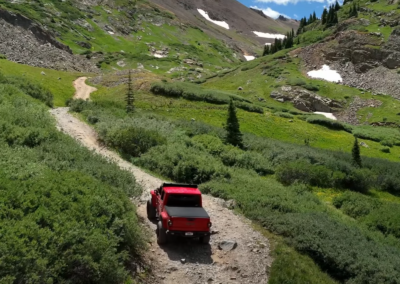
pixel 241 19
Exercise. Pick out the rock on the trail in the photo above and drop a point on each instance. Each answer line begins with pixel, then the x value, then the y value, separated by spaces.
pixel 183 261
pixel 227 245
pixel 230 204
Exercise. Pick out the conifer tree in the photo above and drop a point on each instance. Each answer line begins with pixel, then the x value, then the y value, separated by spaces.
pixel 233 135
pixel 314 17
pixel 324 16
pixel 356 153
pixel 337 6
pixel 266 50
pixel 129 95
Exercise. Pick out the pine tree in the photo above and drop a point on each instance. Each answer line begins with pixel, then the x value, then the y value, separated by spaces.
pixel 356 153
pixel 324 16
pixel 129 95
pixel 337 6
pixel 266 50
pixel 293 35
pixel 314 17
pixel 233 135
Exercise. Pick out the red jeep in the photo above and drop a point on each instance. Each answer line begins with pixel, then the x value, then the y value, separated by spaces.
pixel 179 211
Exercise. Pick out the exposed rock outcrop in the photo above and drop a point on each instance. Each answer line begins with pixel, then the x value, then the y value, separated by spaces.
pixel 363 60
pixel 305 100
pixel 24 41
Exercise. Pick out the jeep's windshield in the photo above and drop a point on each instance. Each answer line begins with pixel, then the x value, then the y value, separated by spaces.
pixel 184 200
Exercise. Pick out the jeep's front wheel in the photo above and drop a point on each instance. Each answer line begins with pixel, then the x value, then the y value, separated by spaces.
pixel 151 211
pixel 161 234
pixel 205 239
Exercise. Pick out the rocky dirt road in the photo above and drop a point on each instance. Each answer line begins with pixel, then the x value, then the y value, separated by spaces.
pixel 184 261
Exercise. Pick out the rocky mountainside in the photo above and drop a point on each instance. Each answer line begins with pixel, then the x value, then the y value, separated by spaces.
pixel 241 20
pixel 363 49
pixel 23 41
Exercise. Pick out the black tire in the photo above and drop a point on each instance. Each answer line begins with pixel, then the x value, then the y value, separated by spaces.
pixel 151 211
pixel 205 240
pixel 161 234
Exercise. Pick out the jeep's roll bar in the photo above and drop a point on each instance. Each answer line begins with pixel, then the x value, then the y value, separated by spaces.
pixel 169 184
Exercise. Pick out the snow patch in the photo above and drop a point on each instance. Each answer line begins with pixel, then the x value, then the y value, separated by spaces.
pixel 249 57
pixel 326 73
pixel 268 35
pixel 327 115
pixel 268 43
pixel 111 33
pixel 159 55
pixel 207 17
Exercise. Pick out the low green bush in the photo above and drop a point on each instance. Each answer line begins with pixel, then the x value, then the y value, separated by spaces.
pixel 385 149
pixel 387 136
pixel 355 205
pixel 311 87
pixel 332 124
pixel 182 163
pixel 283 114
pixel 132 141
pixel 32 89
pixel 296 82
pixel 70 219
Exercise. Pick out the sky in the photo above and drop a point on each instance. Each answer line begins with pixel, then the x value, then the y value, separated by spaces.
pixel 294 9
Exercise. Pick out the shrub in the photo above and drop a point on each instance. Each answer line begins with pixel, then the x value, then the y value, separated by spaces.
pixel 283 114
pixel 32 89
pixel 2 56
pixel 182 163
pixel 132 141
pixel 332 124
pixel 301 171
pixel 71 220
pixel 296 82
pixel 77 105
pixel 355 205
pixel 249 107
pixel 93 119
pixel 379 134
pixel 385 149
pixel 311 87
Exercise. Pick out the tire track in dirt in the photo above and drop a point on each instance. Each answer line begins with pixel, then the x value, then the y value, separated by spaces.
pixel 185 261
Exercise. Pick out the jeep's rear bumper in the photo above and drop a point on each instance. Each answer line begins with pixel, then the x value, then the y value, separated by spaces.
pixel 187 234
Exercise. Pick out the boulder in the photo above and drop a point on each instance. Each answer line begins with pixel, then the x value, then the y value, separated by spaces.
pixel 227 245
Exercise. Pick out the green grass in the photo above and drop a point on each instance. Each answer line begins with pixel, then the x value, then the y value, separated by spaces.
pixel 61 89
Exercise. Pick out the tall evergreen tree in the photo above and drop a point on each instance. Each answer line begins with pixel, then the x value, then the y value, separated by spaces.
pixel 324 16
pixel 266 50
pixel 337 6
pixel 129 98
pixel 356 153
pixel 233 134
pixel 314 17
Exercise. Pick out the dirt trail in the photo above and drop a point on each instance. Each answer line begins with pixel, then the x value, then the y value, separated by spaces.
pixel 83 91
pixel 184 261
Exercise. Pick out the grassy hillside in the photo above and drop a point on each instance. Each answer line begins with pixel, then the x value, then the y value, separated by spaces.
pixel 125 31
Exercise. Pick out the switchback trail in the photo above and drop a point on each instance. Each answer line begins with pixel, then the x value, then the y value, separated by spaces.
pixel 83 91
pixel 185 261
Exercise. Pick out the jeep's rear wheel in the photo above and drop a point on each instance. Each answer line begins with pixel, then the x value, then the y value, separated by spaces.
pixel 151 211
pixel 161 234
pixel 205 239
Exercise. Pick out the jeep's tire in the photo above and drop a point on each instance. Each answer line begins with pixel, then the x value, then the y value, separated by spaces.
pixel 205 239
pixel 161 234
pixel 151 211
